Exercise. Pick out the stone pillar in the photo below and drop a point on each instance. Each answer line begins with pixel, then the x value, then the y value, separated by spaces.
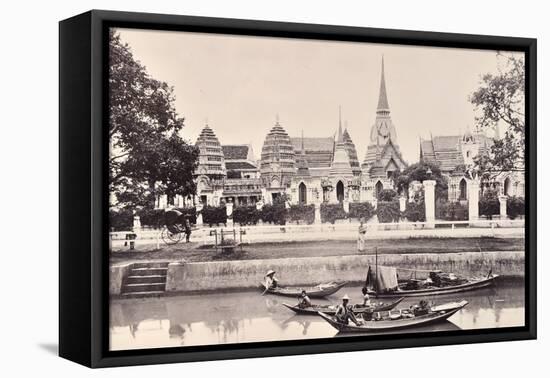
pixel 198 210
pixel 317 212
pixel 473 200
pixel 345 204
pixel 503 200
pixel 229 213
pixel 402 203
pixel 429 201
pixel 137 223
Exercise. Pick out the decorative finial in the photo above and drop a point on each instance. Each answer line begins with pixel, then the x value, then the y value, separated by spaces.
pixel 383 97
pixel 339 123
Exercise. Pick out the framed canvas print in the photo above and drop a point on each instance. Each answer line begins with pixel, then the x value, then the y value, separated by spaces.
pixel 234 188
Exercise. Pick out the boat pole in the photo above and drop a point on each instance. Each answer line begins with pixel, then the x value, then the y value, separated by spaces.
pixel 376 267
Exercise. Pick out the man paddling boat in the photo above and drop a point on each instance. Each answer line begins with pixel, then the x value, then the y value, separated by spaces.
pixel 271 282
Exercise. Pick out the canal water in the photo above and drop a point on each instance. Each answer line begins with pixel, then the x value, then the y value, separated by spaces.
pixel 248 317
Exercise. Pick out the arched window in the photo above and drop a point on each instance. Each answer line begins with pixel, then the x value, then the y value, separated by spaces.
pixel 378 188
pixel 340 191
pixel 507 186
pixel 462 195
pixel 302 194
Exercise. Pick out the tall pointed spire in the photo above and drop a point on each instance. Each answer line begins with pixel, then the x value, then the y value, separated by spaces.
pixel 383 96
pixel 339 124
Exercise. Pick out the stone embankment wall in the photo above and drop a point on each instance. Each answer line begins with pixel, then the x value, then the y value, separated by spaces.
pixel 246 274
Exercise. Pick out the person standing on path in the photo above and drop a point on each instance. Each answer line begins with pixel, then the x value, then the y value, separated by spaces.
pixel 361 237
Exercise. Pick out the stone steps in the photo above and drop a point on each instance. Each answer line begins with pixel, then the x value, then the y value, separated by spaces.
pixel 145 279
pixel 148 271
pixel 154 278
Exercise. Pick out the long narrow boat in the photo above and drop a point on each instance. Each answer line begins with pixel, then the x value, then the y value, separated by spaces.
pixel 394 322
pixel 472 284
pixel 331 309
pixel 319 291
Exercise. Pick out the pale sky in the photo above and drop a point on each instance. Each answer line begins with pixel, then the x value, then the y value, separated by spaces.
pixel 241 83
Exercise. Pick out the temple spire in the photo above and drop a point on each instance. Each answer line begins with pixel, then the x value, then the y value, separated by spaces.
pixel 383 97
pixel 339 124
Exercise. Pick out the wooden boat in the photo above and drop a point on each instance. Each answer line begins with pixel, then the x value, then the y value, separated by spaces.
pixel 396 320
pixel 383 282
pixel 319 291
pixel 331 309
pixel 471 284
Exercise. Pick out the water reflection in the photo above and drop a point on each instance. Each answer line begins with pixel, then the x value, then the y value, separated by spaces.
pixel 248 316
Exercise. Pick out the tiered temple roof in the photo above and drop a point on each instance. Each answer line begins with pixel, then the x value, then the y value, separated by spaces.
pixel 211 158
pixel 278 155
pixel 302 166
pixel 383 153
pixel 446 151
pixel 352 153
pixel 341 166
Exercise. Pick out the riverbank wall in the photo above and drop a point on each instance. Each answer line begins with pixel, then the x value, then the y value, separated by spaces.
pixel 196 277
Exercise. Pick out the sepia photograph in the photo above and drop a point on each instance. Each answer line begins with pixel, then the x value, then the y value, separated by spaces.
pixel 265 189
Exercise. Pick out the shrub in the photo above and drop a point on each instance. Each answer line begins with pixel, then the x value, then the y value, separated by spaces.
pixel 388 211
pixel 212 215
pixel 363 210
pixel 275 214
pixel 305 213
pixel 152 217
pixel 155 218
pixel 246 215
pixel 515 207
pixel 415 211
pixel 489 204
pixel 121 220
pixel 387 195
pixel 451 211
pixel 331 212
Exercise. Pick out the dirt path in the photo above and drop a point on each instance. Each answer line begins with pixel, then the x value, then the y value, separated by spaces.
pixel 193 252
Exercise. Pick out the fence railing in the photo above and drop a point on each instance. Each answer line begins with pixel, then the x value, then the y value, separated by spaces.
pixel 340 230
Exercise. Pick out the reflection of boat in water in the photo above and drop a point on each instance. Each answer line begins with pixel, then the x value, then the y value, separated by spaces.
pixel 319 291
pixel 382 282
pixel 398 319
pixel 331 309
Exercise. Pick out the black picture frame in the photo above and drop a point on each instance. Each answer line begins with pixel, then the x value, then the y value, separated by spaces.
pixel 83 198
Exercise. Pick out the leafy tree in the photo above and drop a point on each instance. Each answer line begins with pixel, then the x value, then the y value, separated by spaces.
pixel 419 172
pixel 147 155
pixel 500 100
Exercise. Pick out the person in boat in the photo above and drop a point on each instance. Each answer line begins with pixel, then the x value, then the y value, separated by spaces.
pixel 271 282
pixel 344 312
pixel 366 298
pixel 361 237
pixel 304 301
